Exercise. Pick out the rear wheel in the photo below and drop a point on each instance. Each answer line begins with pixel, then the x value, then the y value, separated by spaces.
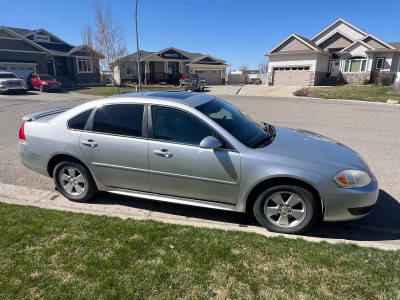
pixel 74 181
pixel 286 209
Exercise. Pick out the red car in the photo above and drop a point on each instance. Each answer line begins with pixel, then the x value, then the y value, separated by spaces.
pixel 43 82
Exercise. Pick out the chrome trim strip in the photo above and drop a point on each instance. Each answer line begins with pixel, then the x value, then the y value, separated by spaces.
pixel 193 177
pixel 120 167
pixel 163 173
pixel 177 200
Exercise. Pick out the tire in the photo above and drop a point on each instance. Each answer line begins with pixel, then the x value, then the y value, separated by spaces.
pixel 74 181
pixel 202 88
pixel 40 88
pixel 286 209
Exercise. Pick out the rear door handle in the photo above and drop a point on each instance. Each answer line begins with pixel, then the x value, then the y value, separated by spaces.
pixel 90 143
pixel 163 152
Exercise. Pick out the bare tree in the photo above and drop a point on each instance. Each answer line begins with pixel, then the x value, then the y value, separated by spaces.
pixel 263 67
pixel 244 68
pixel 87 36
pixel 109 38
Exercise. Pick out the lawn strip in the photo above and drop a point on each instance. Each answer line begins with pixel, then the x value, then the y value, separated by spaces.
pixel 51 254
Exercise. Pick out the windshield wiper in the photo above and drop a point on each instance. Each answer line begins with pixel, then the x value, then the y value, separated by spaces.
pixel 271 133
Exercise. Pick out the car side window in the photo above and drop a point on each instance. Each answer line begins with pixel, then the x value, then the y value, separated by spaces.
pixel 79 122
pixel 177 126
pixel 119 119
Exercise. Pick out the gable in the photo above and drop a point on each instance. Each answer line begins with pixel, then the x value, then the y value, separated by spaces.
pixel 336 41
pixel 348 30
pixel 18 45
pixel 292 45
pixel 53 39
pixel 172 54
pixel 357 49
pixel 6 35
pixel 374 43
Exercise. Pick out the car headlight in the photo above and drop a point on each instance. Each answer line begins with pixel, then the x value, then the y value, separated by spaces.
pixel 4 82
pixel 45 83
pixel 352 179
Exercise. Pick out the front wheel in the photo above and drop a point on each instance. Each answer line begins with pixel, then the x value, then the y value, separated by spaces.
pixel 286 209
pixel 74 181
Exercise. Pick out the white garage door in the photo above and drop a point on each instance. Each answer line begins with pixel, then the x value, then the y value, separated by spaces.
pixel 291 76
pixel 21 70
pixel 212 77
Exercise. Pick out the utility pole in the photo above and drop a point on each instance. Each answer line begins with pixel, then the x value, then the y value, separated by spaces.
pixel 139 87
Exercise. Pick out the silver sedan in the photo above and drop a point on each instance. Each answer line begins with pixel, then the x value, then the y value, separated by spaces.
pixel 197 150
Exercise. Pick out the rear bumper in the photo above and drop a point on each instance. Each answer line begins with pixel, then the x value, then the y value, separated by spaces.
pixel 349 204
pixel 35 162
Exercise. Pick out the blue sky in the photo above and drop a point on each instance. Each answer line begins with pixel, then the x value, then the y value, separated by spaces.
pixel 240 32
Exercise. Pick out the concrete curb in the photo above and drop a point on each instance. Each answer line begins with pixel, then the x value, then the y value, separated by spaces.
pixel 12 194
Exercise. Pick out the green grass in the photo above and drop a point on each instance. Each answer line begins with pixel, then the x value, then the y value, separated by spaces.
pixel 113 90
pixel 365 93
pixel 61 255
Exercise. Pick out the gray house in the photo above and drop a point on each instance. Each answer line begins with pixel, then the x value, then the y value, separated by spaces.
pixel 25 51
pixel 341 49
pixel 169 65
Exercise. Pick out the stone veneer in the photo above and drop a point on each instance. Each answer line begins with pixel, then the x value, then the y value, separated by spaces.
pixel 316 78
pixel 356 78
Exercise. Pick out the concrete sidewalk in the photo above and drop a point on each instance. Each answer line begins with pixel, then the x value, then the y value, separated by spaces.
pixel 262 90
pixel 140 209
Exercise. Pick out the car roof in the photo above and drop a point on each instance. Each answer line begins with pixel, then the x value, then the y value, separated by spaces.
pixel 188 98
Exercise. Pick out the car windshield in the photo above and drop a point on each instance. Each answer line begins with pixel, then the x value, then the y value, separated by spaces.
pixel 46 77
pixel 236 122
pixel 8 75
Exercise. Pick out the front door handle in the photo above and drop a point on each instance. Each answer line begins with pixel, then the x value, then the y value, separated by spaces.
pixel 90 143
pixel 163 152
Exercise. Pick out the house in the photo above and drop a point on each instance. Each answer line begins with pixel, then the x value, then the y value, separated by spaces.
pixel 169 65
pixel 339 50
pixel 25 51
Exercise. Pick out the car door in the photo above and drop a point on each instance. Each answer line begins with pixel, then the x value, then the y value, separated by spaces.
pixel 179 167
pixel 115 147
pixel 35 81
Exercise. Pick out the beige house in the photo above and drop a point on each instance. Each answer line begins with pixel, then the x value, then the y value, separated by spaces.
pixel 169 65
pixel 340 50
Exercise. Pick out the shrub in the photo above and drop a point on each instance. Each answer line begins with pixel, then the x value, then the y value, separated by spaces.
pixel 365 82
pixel 385 79
pixel 307 92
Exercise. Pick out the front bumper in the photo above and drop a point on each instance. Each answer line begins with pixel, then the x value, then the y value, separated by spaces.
pixel 8 88
pixel 349 204
pixel 51 88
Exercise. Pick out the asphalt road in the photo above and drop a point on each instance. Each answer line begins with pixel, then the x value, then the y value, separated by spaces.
pixel 371 129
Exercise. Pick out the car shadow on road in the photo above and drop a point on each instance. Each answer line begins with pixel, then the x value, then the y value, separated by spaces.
pixel 374 227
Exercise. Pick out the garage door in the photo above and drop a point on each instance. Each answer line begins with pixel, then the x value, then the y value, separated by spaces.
pixel 212 77
pixel 21 70
pixel 291 76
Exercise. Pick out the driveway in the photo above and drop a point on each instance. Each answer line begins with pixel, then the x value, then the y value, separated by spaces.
pixel 261 90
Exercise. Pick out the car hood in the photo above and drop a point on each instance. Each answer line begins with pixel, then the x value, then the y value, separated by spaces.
pixel 311 146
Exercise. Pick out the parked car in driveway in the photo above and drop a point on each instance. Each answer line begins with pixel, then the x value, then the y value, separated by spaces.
pixel 199 150
pixel 10 82
pixel 43 82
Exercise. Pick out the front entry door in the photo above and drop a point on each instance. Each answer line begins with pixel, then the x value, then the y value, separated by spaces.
pixel 334 67
pixel 179 167
pixel 50 67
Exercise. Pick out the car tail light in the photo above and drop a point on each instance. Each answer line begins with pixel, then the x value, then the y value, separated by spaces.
pixel 22 132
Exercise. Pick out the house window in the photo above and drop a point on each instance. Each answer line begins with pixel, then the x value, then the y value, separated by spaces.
pixel 379 63
pixel 42 38
pixel 84 65
pixel 130 69
pixel 355 65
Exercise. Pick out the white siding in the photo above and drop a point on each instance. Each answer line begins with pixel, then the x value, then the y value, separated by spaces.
pixel 357 49
pixel 322 64
pixel 293 60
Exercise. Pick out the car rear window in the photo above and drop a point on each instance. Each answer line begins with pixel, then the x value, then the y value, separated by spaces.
pixel 119 119
pixel 79 122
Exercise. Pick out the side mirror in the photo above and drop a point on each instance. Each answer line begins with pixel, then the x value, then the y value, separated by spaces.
pixel 210 142
pixel 22 77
